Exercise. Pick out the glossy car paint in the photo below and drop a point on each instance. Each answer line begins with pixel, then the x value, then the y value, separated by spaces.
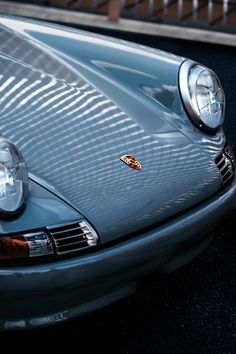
pixel 74 103
pixel 50 293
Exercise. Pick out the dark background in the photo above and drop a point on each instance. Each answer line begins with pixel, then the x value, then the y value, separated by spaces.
pixel 192 310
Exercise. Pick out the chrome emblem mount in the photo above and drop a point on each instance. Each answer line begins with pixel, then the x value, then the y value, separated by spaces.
pixel 131 162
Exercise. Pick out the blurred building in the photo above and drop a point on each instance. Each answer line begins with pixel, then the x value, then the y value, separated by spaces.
pixel 207 14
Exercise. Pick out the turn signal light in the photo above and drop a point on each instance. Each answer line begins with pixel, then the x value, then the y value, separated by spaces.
pixel 25 246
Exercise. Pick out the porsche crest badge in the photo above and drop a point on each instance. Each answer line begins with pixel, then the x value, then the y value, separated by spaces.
pixel 131 162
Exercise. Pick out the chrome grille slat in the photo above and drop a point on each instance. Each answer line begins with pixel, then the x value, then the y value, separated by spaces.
pixel 228 178
pixel 73 237
pixel 221 160
pixel 70 244
pixel 74 250
pixel 226 173
pixel 68 234
pixel 72 229
pixel 225 166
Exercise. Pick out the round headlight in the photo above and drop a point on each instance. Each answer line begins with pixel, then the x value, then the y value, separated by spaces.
pixel 13 179
pixel 202 95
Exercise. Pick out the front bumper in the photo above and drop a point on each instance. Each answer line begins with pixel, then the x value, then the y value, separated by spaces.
pixel 45 294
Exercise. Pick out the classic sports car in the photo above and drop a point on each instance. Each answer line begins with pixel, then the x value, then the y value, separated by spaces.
pixel 113 163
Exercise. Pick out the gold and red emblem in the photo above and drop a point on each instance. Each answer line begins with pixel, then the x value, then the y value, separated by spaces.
pixel 131 162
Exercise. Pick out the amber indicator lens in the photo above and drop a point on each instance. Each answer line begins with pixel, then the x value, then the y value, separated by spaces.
pixel 25 246
pixel 13 247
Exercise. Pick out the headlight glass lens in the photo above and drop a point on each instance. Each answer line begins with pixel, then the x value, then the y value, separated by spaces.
pixel 203 95
pixel 13 178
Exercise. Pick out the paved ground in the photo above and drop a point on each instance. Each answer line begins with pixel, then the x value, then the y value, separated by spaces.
pixel 190 311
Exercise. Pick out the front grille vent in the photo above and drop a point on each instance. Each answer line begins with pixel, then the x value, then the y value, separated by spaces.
pixel 73 237
pixel 225 166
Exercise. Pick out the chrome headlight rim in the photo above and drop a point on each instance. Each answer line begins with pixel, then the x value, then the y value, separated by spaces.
pixel 190 103
pixel 21 166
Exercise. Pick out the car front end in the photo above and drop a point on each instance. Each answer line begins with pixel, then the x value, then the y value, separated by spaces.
pixel 113 164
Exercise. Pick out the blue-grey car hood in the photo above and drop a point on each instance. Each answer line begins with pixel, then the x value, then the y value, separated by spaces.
pixel 74 103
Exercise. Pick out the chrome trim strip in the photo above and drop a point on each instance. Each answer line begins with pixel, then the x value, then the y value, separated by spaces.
pixel 82 227
pixel 70 244
pixel 68 237
pixel 227 169
pixel 67 230
pixel 74 250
